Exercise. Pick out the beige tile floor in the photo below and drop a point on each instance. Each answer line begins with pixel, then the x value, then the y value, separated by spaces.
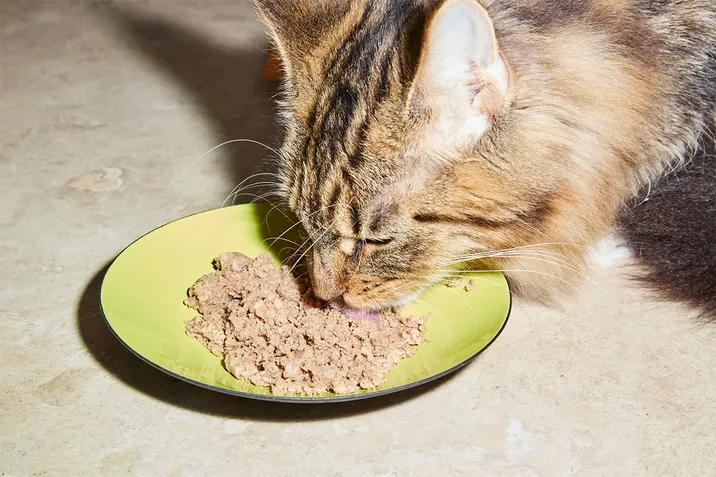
pixel 102 112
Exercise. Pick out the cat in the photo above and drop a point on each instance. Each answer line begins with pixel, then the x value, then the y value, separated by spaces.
pixel 426 136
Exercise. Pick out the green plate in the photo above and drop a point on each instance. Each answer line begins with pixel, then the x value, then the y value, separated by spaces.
pixel 143 290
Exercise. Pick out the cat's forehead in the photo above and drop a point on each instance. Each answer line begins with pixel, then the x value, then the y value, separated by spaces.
pixel 348 143
pixel 363 72
pixel 381 193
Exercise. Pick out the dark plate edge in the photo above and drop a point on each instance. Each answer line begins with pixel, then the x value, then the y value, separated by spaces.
pixel 291 399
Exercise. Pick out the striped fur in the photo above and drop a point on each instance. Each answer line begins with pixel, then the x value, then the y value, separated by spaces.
pixel 597 98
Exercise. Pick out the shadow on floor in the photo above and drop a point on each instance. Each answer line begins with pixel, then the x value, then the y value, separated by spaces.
pixel 225 82
pixel 119 361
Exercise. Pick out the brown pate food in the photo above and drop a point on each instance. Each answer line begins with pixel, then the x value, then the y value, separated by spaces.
pixel 255 316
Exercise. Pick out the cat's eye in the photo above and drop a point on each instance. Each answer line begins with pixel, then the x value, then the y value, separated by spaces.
pixel 360 246
pixel 384 241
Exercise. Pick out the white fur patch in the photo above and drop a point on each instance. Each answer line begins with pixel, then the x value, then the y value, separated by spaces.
pixel 609 252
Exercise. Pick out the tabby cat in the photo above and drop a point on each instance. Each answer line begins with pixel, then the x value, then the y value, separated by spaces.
pixel 425 135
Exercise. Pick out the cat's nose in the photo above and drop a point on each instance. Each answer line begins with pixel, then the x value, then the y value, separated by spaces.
pixel 322 282
pixel 338 302
pixel 324 289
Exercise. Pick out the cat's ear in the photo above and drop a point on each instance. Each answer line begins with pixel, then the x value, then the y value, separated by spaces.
pixel 461 80
pixel 298 27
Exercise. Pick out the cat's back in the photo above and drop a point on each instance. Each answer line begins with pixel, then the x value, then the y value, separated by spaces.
pixel 662 52
pixel 674 25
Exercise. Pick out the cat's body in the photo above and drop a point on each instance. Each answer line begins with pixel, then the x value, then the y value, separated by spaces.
pixel 421 135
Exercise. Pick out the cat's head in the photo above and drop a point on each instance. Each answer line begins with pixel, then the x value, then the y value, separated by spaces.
pixel 401 157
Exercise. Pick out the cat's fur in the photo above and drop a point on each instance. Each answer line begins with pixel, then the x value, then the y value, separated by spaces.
pixel 671 227
pixel 503 134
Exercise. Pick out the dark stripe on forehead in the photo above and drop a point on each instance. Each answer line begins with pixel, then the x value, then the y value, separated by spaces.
pixel 353 74
pixel 354 84
pixel 413 42
pixel 350 39
pixel 335 195
pixel 346 99
pixel 340 108
pixel 384 84
pixel 355 220
pixel 333 190
pixel 346 175
pixel 354 158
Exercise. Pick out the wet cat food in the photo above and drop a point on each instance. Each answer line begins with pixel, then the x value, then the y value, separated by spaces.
pixel 253 314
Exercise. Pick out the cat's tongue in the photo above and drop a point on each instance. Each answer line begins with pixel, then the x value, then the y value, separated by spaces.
pixel 353 314
pixel 362 315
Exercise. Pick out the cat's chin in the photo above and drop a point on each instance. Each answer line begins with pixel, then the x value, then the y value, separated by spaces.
pixel 353 307
pixel 374 314
pixel 354 310
pixel 399 298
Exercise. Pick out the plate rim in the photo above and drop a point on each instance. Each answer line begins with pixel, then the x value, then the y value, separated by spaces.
pixel 277 398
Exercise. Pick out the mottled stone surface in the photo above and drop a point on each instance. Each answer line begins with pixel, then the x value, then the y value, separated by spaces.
pixel 103 113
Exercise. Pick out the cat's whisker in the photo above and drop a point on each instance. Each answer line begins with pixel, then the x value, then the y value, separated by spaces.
pixel 541 244
pixel 556 257
pixel 557 261
pixel 537 253
pixel 264 196
pixel 241 185
pixel 299 223
pixel 578 272
pixel 552 261
pixel 231 141
pixel 287 231
pixel 484 254
pixel 282 239
pixel 240 191
pixel 550 275
pixel 294 254
pixel 286 248
pixel 299 276
pixel 253 196
pixel 331 246
pixel 288 260
pixel 327 229
pixel 276 206
pixel 449 272
pixel 504 287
